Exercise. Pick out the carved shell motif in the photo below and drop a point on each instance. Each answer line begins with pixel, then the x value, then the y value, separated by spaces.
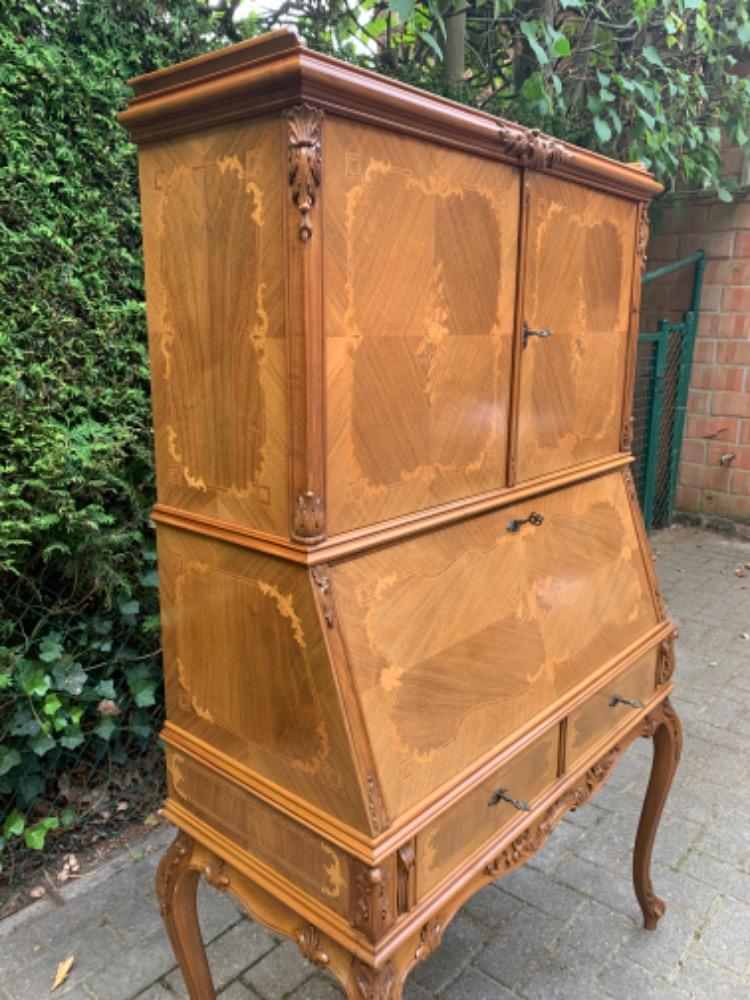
pixel 308 939
pixel 304 128
pixel 532 148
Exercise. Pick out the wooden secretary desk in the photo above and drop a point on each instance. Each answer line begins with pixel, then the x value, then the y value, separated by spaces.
pixel 410 615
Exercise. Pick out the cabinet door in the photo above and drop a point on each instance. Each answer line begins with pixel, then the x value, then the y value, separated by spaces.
pixel 576 314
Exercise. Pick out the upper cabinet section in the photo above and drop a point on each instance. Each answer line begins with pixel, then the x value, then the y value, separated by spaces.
pixel 575 308
pixel 368 306
pixel 419 287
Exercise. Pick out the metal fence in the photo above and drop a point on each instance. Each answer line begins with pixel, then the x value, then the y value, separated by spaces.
pixel 662 381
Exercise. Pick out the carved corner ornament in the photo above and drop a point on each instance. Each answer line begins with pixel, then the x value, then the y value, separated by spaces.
pixel 429 938
pixel 321 576
pixel 373 908
pixel 308 940
pixel 374 984
pixel 665 661
pixel 642 236
pixel 308 523
pixel 376 805
pixel 305 161
pixel 531 148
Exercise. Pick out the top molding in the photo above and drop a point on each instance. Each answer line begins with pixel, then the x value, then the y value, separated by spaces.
pixel 274 71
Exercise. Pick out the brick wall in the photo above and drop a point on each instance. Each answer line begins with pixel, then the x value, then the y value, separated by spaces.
pixel 718 421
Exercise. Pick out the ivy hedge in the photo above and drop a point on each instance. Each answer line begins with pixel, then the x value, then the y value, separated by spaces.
pixel 79 643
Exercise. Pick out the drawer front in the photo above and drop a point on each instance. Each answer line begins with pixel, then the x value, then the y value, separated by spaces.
pixel 316 866
pixel 459 637
pixel 609 708
pixel 482 814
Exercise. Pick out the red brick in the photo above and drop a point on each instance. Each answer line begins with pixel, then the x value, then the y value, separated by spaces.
pixel 728 272
pixel 693 451
pixel 735 352
pixel 708 325
pixel 726 505
pixel 717 377
pixel 742 245
pixel 733 300
pixel 715 244
pixel 712 298
pixel 742 215
pixel 740 483
pixel 699 402
pixel 705 352
pixel 687 498
pixel 662 247
pixel 721 216
pixel 724 429
pixel 706 477
pixel 731 326
pixel 731 404
pixel 745 436
pixel 731 162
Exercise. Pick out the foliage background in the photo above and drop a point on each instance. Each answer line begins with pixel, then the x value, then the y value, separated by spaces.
pixel 80 690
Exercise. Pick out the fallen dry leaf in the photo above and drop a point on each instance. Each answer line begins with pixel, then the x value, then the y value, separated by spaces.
pixel 740 571
pixel 107 707
pixel 37 892
pixel 151 820
pixel 63 971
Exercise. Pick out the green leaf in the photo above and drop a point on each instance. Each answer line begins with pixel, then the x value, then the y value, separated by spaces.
pixel 106 728
pixel 50 648
pixel 9 758
pixel 724 194
pixel 36 835
pixel 130 607
pixel 70 678
pixel 651 54
pixel 13 825
pixel 603 131
pixel 561 46
pixel 529 31
pixel 648 119
pixel 42 743
pixel 52 704
pixel 143 692
pixel 713 133
pixel 403 8
pixel 430 39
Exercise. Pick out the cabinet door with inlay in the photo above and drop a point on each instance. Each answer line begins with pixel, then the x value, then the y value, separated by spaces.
pixel 420 273
pixel 576 317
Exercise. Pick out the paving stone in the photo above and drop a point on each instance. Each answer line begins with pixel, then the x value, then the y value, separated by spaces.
pixel 660 951
pixel 587 942
pixel 279 972
pixel 155 992
pixel 462 939
pixel 681 892
pixel 237 991
pixel 733 844
pixel 515 944
pixel 133 970
pixel 604 886
pixel 492 904
pixel 726 938
pixel 624 980
pixel 718 874
pixel 413 991
pixel 320 987
pixel 474 985
pixel 561 842
pixel 551 980
pixel 543 892
pixel 701 979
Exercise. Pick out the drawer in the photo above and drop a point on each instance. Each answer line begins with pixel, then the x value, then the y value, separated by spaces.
pixel 482 814
pixel 605 710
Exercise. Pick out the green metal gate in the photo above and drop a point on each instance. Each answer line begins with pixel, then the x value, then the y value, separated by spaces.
pixel 662 380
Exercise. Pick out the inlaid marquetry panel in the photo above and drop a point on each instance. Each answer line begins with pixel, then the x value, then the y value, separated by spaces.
pixel 317 866
pixel 609 707
pixel 477 818
pixel 247 671
pixel 419 274
pixel 459 637
pixel 213 240
pixel 579 266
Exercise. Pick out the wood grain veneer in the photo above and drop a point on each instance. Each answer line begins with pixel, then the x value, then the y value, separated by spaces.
pixel 409 610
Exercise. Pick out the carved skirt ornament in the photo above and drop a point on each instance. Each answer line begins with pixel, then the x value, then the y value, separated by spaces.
pixel 410 614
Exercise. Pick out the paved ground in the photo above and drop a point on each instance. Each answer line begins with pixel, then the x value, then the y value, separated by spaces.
pixel 565 927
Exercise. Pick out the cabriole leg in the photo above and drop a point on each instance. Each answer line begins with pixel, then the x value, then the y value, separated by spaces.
pixel 176 887
pixel 666 730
